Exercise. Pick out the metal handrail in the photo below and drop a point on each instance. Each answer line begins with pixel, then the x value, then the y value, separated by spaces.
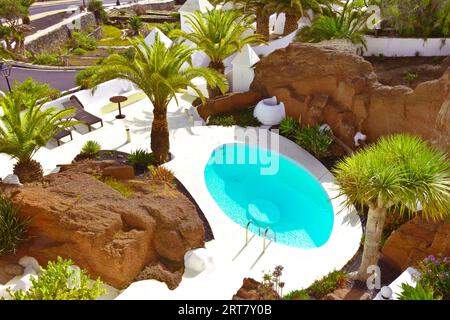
pixel 250 222
pixel 266 236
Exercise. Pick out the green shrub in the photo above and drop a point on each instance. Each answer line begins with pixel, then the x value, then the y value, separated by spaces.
pixel 288 127
pixel 46 59
pixel 315 140
pixel 79 52
pixel 59 281
pixel 129 53
pixel 85 77
pixel 297 295
pixel 30 90
pixel 12 227
pixel 91 149
pixel 120 187
pixel 410 76
pixel 332 281
pixel 81 40
pixel 347 22
pixel 417 18
pixel 242 118
pixel 419 292
pixel 140 157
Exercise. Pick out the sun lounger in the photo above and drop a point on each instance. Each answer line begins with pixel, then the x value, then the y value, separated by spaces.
pixel 62 134
pixel 82 115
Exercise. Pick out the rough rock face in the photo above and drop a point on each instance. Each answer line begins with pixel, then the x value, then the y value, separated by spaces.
pixel 74 215
pixel 323 85
pixel 415 240
pixel 253 290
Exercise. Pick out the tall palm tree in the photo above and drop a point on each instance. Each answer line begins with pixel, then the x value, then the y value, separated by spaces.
pixel 23 132
pixel 259 8
pixel 295 9
pixel 219 34
pixel 397 173
pixel 161 73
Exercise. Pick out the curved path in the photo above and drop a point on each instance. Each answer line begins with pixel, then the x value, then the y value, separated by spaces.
pixel 59 79
pixel 40 7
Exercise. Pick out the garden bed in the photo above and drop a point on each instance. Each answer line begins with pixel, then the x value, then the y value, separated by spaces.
pixel 407 71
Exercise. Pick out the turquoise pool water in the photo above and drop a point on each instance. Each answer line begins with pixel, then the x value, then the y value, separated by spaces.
pixel 289 198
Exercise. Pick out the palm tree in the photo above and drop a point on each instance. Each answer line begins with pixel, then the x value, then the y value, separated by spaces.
pixel 135 24
pixel 22 133
pixel 219 34
pixel 295 9
pixel 348 23
pixel 259 8
pixel 161 73
pixel 400 172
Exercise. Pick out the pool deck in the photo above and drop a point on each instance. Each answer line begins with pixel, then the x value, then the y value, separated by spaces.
pixel 233 261
pixel 192 145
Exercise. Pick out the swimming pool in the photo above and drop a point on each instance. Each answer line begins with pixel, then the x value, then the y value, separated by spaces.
pixel 288 199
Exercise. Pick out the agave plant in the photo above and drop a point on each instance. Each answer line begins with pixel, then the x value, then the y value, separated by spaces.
pixel 397 173
pixel 23 133
pixel 347 23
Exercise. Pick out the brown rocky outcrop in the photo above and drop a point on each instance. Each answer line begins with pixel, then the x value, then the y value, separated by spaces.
pixel 75 215
pixel 415 240
pixel 254 290
pixel 324 85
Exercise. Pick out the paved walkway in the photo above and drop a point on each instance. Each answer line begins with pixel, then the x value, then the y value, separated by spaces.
pixel 191 147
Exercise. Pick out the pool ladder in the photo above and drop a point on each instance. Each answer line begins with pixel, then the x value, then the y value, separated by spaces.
pixel 265 234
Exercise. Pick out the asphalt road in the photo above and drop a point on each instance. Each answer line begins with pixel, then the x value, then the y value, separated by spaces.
pixel 53 7
pixel 62 80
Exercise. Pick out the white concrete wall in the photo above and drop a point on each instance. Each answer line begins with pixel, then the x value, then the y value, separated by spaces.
pixel 407 47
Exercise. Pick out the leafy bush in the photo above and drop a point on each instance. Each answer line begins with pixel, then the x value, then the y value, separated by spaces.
pixel 81 40
pixel 91 149
pixel 60 281
pixel 315 140
pixel 12 227
pixel 347 23
pixel 79 51
pixel 435 274
pixel 46 59
pixel 85 77
pixel 120 187
pixel 410 76
pixel 161 174
pixel 140 157
pixel 129 53
pixel 30 90
pixel 297 295
pixel 242 118
pixel 332 281
pixel 96 7
pixel 288 127
pixel 419 292
pixel 417 18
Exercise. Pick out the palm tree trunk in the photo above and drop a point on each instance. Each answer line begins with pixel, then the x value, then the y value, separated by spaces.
pixel 219 67
pixel 262 25
pixel 291 24
pixel 374 231
pixel 160 135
